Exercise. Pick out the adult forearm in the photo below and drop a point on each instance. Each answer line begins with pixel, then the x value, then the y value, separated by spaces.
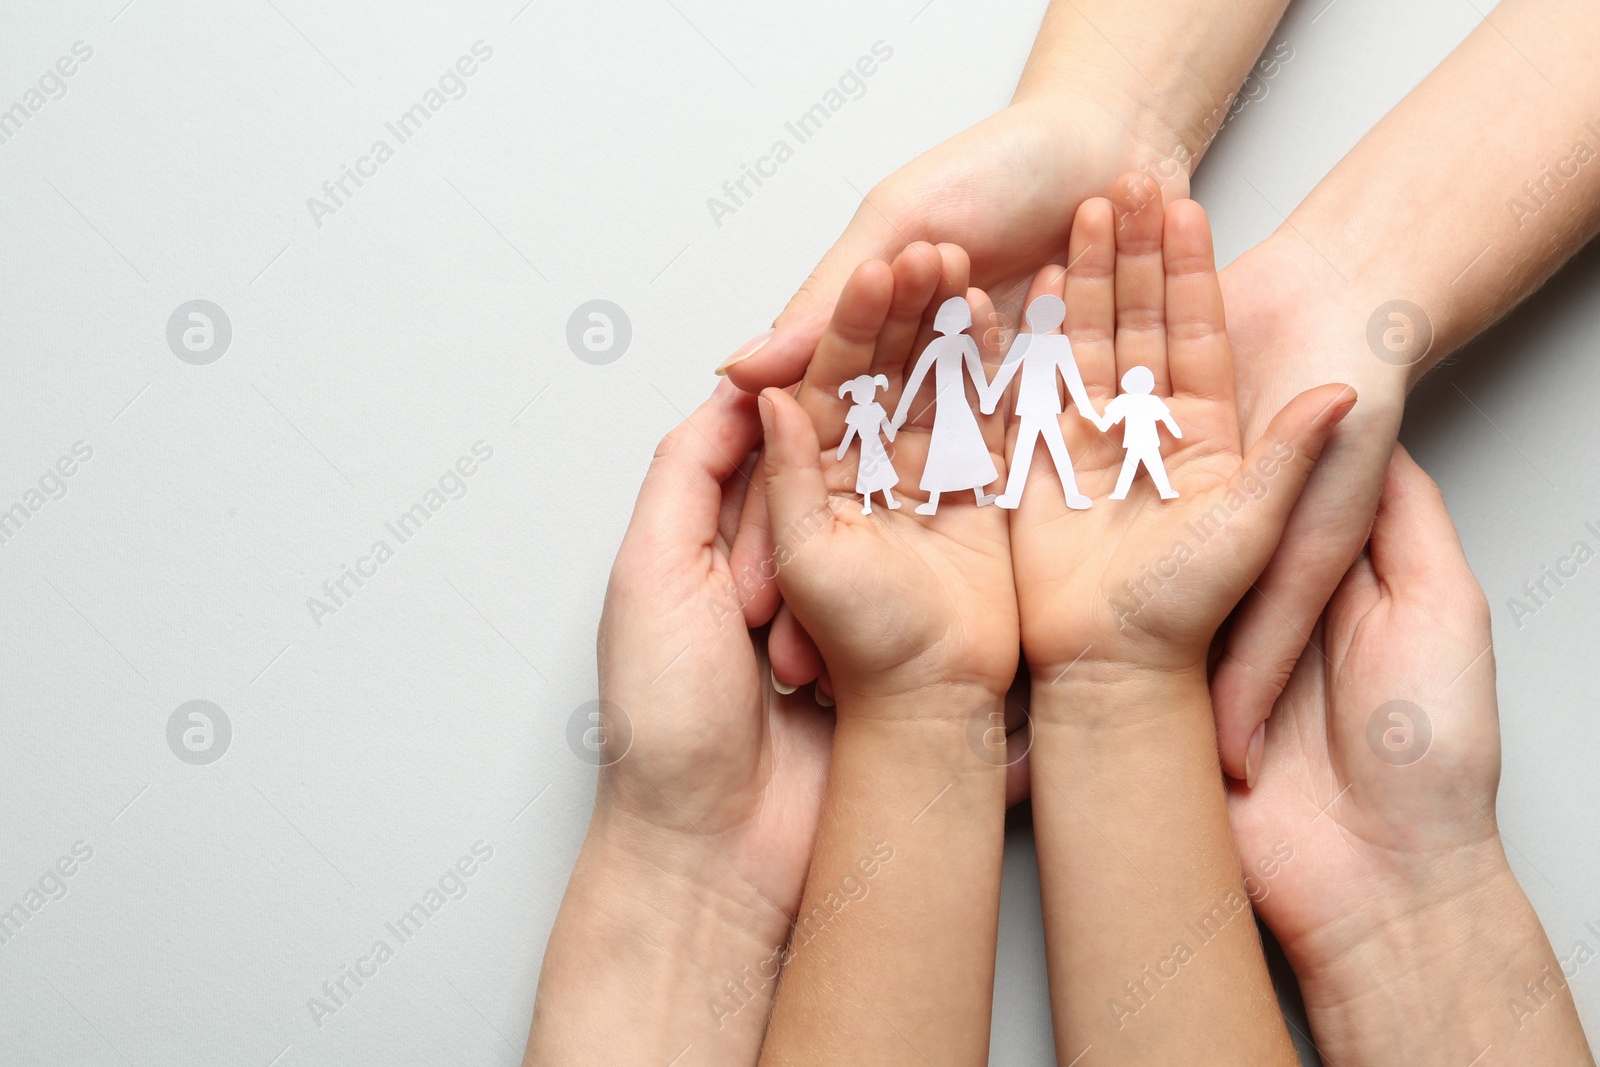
pixel 1461 968
pixel 1171 67
pixel 1476 187
pixel 1151 939
pixel 655 958
pixel 892 956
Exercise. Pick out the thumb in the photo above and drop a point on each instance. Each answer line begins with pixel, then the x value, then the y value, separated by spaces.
pixel 797 497
pixel 779 357
pixel 1281 462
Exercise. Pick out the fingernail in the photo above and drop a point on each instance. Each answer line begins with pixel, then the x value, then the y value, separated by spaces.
pixel 765 407
pixel 779 687
pixel 823 699
pixel 745 351
pixel 725 388
pixel 1252 755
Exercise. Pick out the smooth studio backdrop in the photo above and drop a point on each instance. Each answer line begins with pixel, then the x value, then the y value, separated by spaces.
pixel 192 488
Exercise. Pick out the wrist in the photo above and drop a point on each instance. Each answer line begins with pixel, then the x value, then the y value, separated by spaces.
pixel 1453 945
pixel 1100 694
pixel 645 871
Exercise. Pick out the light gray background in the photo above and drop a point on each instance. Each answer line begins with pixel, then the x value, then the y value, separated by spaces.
pixel 429 313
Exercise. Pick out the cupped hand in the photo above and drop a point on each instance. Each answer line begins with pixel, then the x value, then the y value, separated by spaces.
pixel 1376 797
pixel 1146 580
pixel 1003 189
pixel 700 754
pixel 897 602
pixel 1295 322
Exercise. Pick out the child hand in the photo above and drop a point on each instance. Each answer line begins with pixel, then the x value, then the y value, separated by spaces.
pixel 896 602
pixel 1147 581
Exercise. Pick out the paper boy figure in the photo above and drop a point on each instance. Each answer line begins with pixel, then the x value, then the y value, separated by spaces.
pixel 958 456
pixel 874 472
pixel 1140 412
pixel 1041 355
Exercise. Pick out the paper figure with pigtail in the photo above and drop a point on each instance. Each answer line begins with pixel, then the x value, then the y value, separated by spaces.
pixel 958 456
pixel 866 417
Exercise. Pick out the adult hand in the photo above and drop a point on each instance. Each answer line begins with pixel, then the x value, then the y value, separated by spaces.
pixel 1369 840
pixel 710 787
pixel 1004 190
pixel 1293 326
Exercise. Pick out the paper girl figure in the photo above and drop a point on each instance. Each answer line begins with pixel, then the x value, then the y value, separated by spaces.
pixel 865 418
pixel 1041 355
pixel 958 456
pixel 1140 412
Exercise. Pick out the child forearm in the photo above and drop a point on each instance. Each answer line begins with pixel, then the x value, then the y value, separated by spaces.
pixel 1153 951
pixel 892 956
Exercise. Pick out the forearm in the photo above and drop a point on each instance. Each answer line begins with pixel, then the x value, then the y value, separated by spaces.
pixel 1440 975
pixel 1490 168
pixel 1171 67
pixel 653 961
pixel 892 956
pixel 1152 945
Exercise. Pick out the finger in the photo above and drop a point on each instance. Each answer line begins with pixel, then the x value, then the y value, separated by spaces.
pixel 1199 357
pixel 680 501
pixel 797 496
pixel 1272 624
pixel 751 558
pixel 1141 279
pixel 793 655
pixel 779 356
pixel 917 271
pixel 1281 461
pixel 845 349
pixel 1092 296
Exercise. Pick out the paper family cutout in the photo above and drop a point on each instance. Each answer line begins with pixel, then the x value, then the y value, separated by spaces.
pixel 958 457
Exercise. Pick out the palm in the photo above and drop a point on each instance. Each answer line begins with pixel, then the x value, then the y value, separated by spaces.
pixel 935 582
pixel 1141 291
pixel 1077 561
pixel 894 594
pixel 1368 792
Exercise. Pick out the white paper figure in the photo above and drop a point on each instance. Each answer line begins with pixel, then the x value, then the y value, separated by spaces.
pixel 1140 413
pixel 958 456
pixel 874 472
pixel 1041 355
